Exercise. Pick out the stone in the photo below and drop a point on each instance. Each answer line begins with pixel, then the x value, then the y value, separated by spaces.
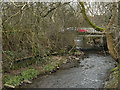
pixel 77 58
pixel 10 86
pixel 27 81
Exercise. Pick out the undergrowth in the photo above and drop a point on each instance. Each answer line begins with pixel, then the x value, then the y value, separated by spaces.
pixel 17 79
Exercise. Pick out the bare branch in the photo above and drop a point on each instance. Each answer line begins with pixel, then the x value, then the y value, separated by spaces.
pixel 93 25
pixel 16 13
pixel 54 8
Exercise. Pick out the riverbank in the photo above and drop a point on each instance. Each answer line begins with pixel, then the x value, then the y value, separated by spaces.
pixel 91 72
pixel 88 70
pixel 15 78
pixel 112 80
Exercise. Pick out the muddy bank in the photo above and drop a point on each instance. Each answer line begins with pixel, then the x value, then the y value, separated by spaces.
pixel 91 72
pixel 18 77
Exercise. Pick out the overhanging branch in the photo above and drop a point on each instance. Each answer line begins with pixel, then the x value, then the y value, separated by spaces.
pixel 54 8
pixel 93 25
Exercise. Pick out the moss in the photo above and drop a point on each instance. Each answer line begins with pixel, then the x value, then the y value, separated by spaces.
pixel 113 80
pixel 93 25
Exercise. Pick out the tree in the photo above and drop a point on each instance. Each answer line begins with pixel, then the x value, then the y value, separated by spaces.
pixel 110 42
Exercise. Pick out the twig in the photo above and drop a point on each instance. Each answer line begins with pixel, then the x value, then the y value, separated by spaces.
pixel 54 9
pixel 13 3
pixel 16 13
pixel 72 48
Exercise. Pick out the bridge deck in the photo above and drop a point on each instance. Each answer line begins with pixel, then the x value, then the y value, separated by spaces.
pixel 92 35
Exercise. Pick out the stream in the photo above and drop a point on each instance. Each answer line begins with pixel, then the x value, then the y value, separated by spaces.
pixel 91 73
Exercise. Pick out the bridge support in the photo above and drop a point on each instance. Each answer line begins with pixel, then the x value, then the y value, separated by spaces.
pixel 90 41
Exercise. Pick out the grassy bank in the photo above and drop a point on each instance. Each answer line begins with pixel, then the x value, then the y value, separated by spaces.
pixel 17 77
pixel 112 81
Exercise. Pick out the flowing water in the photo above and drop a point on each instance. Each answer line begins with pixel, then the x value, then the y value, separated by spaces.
pixel 91 73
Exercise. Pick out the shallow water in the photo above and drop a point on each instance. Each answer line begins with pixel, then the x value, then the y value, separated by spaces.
pixel 91 73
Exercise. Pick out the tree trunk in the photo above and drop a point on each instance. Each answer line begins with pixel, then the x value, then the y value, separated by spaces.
pixel 93 25
pixel 109 38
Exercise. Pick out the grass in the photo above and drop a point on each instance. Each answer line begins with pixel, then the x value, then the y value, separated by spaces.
pixel 49 67
pixel 25 75
pixel 31 72
pixel 14 81
pixel 17 79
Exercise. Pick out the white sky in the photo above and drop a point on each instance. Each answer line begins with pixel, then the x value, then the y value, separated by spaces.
pixel 93 9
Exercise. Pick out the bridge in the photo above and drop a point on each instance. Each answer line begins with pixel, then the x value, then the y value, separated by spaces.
pixel 91 39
